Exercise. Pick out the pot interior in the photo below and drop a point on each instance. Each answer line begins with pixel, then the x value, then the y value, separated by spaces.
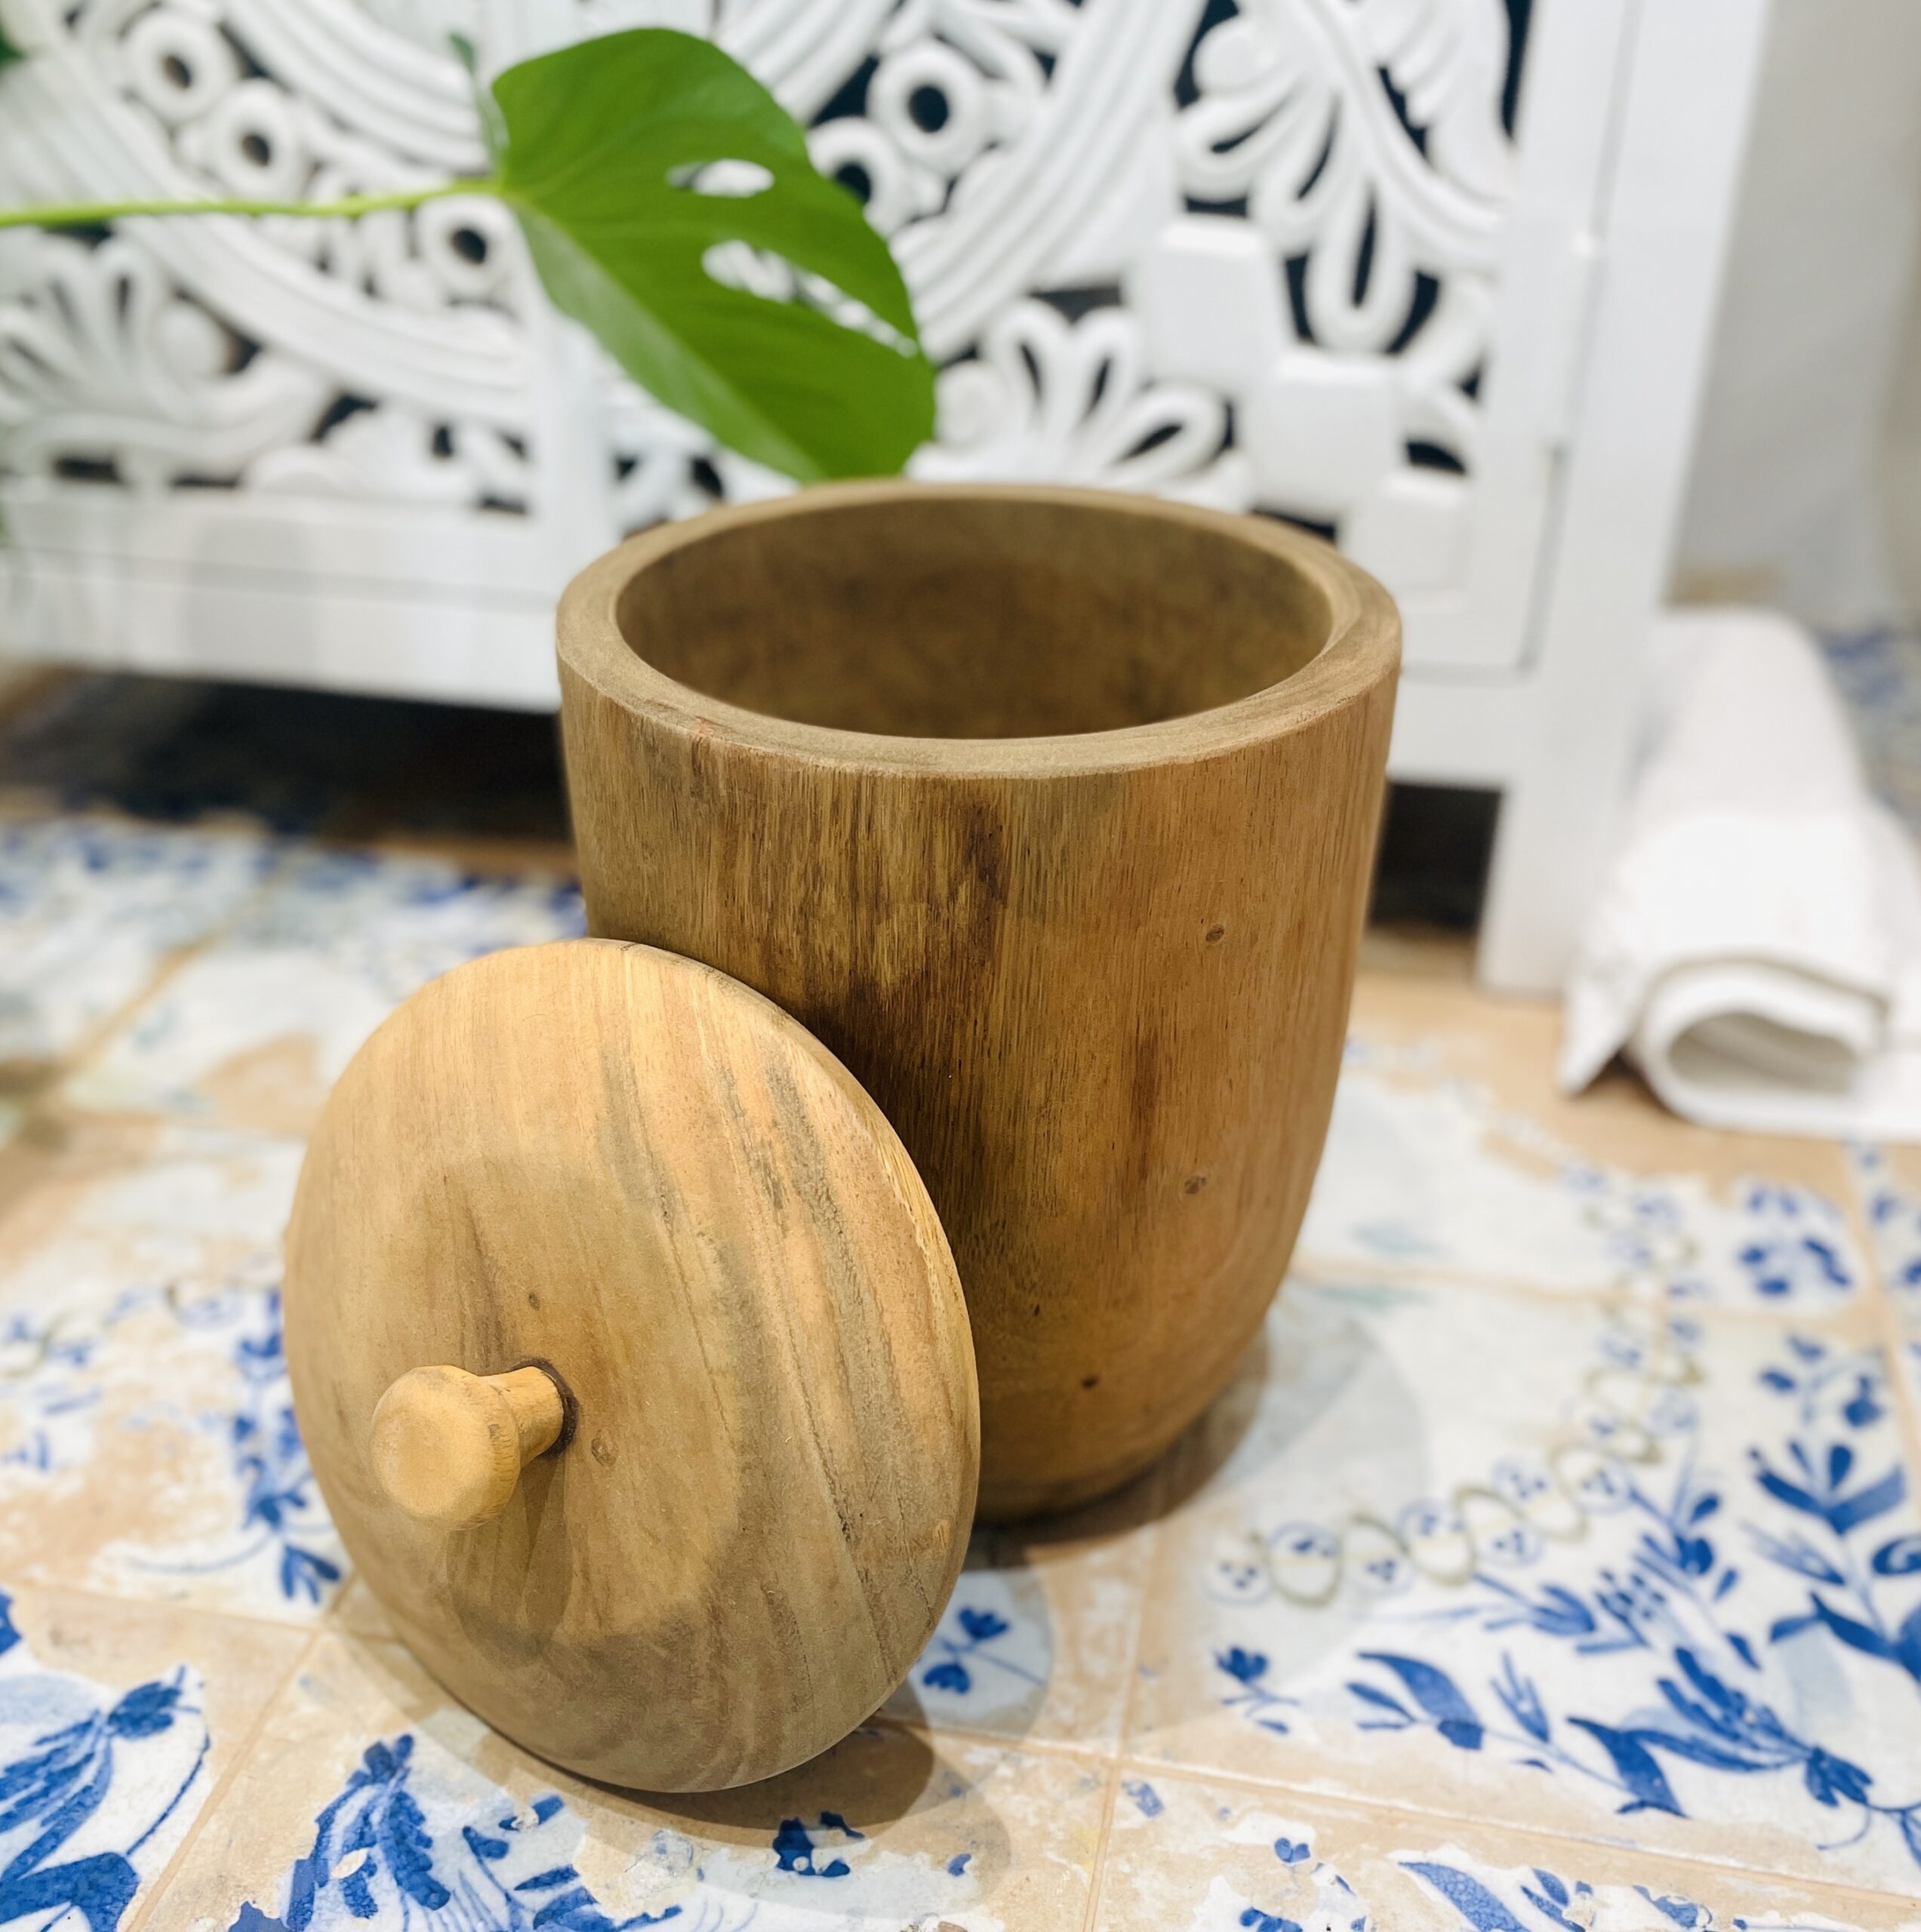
pixel 952 615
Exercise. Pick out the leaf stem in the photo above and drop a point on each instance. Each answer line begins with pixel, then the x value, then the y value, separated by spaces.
pixel 88 214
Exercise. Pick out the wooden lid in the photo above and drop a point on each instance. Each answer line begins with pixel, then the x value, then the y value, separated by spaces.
pixel 632 1363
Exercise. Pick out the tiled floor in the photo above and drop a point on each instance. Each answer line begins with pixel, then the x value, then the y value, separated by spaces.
pixel 1554 1561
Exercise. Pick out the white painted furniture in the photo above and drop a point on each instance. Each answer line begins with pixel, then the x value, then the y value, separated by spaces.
pixel 1288 256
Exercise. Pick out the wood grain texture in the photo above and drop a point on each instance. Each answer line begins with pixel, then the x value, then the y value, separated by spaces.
pixel 624 1165
pixel 1051 813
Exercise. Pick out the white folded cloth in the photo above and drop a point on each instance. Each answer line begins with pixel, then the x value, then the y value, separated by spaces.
pixel 1756 947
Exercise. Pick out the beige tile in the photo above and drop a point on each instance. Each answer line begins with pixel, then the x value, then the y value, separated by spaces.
pixel 1905 1350
pixel 1450 1152
pixel 149 1708
pixel 1038 1639
pixel 253 1030
pixel 1417 952
pixel 1497 1555
pixel 147 1447
pixel 1221 1858
pixel 1036 1644
pixel 357 1611
pixel 889 1827
pixel 1888 1185
pixel 90 1204
pixel 1511 1045
pixel 91 911
pixel 1474 1519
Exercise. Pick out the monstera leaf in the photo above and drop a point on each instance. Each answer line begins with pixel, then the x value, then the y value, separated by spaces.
pixel 670 203
pixel 661 188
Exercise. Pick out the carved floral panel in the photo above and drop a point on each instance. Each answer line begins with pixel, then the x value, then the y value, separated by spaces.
pixel 1246 255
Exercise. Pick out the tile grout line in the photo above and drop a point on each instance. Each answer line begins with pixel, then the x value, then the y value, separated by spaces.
pixel 1312 1273
pixel 325 1621
pixel 1906 1397
pixel 1119 1764
pixel 77 1057
pixel 1098 1886
pixel 211 1803
pixel 1150 1568
pixel 60 1071
pixel 1039 1747
pixel 1097 1874
pixel 1694 1861
pixel 1118 1761
pixel 1903 1392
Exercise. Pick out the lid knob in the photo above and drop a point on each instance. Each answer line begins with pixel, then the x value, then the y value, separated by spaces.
pixel 448 1446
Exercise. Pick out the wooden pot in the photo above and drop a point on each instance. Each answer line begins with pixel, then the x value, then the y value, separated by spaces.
pixel 999 856
pixel 1051 813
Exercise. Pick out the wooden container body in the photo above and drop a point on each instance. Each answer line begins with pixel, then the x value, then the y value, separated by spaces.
pixel 1091 952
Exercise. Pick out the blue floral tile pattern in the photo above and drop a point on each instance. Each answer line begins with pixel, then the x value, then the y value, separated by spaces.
pixel 374 1849
pixel 403 1842
pixel 147 1443
pixel 96 1788
pixel 1208 1858
pixel 1426 1170
pixel 973 1647
pixel 374 1804
pixel 255 1028
pixel 1649 1574
pixel 1889 1182
pixel 90 910
pixel 100 1208
pixel 148 1448
pixel 1877 670
pixel 1037 1641
pixel 1556 1562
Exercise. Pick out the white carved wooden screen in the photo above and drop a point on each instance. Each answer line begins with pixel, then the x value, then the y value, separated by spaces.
pixel 1285 255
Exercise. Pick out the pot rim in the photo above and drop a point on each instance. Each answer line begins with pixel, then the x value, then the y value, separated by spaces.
pixel 1361 649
